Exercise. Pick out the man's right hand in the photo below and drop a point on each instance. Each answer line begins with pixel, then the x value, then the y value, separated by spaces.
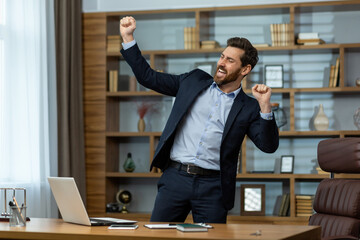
pixel 127 28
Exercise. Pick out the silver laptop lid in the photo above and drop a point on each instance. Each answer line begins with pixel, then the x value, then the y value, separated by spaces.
pixel 69 201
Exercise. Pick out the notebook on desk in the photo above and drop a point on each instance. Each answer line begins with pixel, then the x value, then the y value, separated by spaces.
pixel 71 206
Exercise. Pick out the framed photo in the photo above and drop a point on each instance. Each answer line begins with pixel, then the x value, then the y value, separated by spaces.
pixel 252 200
pixel 287 164
pixel 274 76
pixel 209 67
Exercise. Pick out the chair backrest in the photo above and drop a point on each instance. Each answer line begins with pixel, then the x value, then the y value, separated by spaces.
pixel 337 201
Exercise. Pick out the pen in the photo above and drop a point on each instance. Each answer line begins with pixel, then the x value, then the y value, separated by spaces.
pixel 19 209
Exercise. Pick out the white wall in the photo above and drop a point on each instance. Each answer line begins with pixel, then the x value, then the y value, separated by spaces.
pixel 121 5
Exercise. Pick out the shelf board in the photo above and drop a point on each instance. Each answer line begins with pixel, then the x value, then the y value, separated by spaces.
pixel 274 90
pixel 318 133
pixel 132 134
pixel 312 90
pixel 267 176
pixel 133 94
pixel 281 133
pixel 258 176
pixel 260 49
pixel 132 175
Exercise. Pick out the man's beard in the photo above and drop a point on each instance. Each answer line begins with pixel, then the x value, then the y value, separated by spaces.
pixel 232 77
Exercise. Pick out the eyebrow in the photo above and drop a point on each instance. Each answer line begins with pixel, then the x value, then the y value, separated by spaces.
pixel 222 54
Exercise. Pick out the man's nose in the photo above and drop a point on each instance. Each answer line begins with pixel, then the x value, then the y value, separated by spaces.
pixel 221 62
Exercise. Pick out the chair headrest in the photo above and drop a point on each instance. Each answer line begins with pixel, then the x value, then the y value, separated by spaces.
pixel 339 155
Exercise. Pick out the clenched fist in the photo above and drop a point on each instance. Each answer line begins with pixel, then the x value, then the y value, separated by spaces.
pixel 262 93
pixel 127 28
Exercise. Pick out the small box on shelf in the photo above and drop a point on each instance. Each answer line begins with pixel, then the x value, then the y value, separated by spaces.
pixel 114 43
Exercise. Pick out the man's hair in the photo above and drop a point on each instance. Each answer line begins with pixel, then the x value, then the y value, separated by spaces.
pixel 250 56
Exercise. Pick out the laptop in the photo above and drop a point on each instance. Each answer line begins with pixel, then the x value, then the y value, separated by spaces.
pixel 71 206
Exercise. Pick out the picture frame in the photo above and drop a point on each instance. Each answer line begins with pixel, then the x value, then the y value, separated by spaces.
pixel 274 76
pixel 252 200
pixel 287 164
pixel 209 67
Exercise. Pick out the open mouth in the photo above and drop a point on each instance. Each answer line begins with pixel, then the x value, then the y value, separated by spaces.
pixel 221 72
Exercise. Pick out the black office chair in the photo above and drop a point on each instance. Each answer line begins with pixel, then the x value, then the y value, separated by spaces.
pixel 337 201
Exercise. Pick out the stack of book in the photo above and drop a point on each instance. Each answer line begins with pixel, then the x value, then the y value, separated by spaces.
pixel 114 43
pixel 280 34
pixel 285 205
pixel 304 205
pixel 309 39
pixel 209 44
pixel 113 81
pixel 189 38
pixel 334 74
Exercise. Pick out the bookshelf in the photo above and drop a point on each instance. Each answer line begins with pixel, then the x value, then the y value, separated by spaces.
pixel 110 117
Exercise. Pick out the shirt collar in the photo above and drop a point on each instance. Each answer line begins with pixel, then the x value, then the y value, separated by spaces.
pixel 231 94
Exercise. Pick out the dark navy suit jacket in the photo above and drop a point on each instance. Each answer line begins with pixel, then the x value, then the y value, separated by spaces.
pixel 244 118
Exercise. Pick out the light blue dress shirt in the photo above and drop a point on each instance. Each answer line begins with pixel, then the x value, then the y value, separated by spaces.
pixel 198 137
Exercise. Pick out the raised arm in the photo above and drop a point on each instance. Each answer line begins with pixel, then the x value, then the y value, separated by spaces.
pixel 127 28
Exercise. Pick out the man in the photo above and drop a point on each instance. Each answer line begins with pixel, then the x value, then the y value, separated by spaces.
pixel 199 146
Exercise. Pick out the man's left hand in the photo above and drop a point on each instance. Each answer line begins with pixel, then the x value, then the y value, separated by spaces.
pixel 262 93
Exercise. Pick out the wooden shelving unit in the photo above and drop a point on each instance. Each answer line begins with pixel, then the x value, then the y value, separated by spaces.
pixel 102 114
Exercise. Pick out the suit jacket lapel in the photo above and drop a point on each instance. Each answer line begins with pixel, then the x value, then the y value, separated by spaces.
pixel 235 109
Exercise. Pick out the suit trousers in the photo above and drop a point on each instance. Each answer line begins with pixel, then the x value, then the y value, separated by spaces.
pixel 180 192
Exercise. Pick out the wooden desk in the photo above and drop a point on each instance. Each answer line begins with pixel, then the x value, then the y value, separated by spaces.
pixel 51 229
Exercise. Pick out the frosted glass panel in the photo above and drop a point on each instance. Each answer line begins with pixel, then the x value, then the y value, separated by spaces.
pixel 304 150
pixel 140 150
pixel 162 31
pixel 155 118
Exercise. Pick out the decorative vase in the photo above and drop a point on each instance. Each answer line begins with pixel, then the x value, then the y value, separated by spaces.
pixel 141 125
pixel 357 118
pixel 129 165
pixel 321 121
pixel 357 82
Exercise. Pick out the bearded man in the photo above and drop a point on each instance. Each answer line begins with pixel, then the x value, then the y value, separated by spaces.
pixel 198 149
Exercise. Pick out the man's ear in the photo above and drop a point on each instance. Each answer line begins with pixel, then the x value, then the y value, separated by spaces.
pixel 245 70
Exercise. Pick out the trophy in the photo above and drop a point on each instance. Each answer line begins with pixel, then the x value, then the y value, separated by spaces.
pixel 124 197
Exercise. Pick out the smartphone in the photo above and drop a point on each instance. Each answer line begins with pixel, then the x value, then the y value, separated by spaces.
pixel 123 226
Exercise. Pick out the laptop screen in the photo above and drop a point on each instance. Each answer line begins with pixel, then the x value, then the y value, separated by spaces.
pixel 68 199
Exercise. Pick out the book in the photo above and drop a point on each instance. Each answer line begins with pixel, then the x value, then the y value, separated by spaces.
pixel 304 214
pixel 260 45
pixel 336 73
pixel 310 35
pixel 209 44
pixel 188 227
pixel 114 43
pixel 280 35
pixel 304 197
pixel 189 37
pixel 313 41
pixel 331 76
pixel 284 207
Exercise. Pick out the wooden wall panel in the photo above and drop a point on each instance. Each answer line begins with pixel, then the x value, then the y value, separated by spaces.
pixel 94 87
pixel 94 119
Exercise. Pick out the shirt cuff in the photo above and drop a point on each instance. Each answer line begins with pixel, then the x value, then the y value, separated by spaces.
pixel 266 116
pixel 128 44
